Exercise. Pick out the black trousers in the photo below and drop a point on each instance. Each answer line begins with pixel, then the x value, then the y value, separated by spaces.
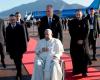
pixel 92 42
pixel 2 53
pixel 17 57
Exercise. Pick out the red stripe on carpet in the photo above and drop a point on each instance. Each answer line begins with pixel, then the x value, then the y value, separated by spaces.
pixel 28 61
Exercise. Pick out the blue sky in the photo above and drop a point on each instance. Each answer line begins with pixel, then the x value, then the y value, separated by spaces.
pixel 8 4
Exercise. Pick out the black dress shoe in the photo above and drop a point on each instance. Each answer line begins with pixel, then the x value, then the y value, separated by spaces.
pixel 16 77
pixel 73 73
pixel 94 59
pixel 84 75
pixel 3 63
pixel 89 63
pixel 20 77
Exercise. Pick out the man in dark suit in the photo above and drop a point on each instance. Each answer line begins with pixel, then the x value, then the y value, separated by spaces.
pixel 94 30
pixel 2 41
pixel 50 21
pixel 15 43
pixel 23 23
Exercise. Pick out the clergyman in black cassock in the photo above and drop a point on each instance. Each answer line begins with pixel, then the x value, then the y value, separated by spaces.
pixel 79 30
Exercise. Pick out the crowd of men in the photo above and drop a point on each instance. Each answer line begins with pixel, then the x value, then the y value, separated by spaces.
pixel 83 32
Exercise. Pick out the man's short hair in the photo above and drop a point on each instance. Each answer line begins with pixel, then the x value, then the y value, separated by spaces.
pixel 11 15
pixel 17 13
pixel 91 8
pixel 78 10
pixel 50 5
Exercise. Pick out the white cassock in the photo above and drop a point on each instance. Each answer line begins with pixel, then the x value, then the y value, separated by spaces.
pixel 47 67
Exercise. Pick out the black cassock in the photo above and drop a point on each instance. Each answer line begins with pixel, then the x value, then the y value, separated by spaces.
pixel 79 30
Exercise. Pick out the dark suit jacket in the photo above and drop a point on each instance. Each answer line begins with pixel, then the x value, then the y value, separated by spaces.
pixel 23 23
pixel 55 27
pixel 95 24
pixel 15 39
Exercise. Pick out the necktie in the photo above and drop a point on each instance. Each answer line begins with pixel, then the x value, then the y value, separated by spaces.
pixel 50 21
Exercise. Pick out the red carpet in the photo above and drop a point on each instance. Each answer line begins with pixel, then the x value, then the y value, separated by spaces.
pixel 28 61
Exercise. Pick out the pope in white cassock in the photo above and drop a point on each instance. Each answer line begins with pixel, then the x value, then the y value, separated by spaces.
pixel 48 52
